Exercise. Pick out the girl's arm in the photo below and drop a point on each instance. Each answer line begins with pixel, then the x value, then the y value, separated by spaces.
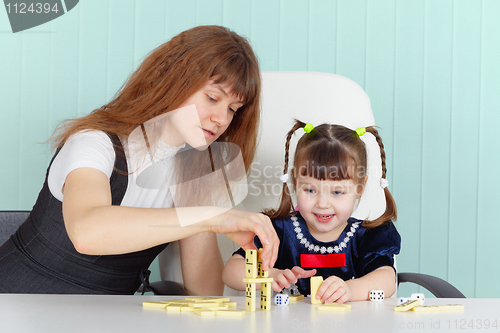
pixel 202 264
pixel 234 272
pixel 97 228
pixel 334 289
pixel 383 278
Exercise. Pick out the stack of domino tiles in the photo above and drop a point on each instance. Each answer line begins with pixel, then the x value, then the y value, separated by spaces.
pixel 255 274
pixel 202 306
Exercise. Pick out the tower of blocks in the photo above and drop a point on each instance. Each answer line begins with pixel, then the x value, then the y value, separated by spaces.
pixel 255 274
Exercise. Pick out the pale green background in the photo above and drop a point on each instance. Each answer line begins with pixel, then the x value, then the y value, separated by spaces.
pixel 430 68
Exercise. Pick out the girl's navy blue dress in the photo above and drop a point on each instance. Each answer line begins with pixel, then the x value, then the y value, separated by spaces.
pixel 366 249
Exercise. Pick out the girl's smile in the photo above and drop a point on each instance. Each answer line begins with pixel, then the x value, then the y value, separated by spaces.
pixel 324 218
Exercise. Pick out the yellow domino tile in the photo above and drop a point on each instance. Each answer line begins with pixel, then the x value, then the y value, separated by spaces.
pixel 335 308
pixel 186 308
pixel 451 307
pixel 332 308
pixel 157 305
pixel 218 298
pixel 260 271
pixel 230 313
pixel 204 304
pixel 251 263
pixel 257 280
pixel 250 297
pixel 174 307
pixel 216 308
pixel 295 298
pixel 208 299
pixel 204 312
pixel 230 304
pixel 180 303
pixel 427 308
pixel 338 305
pixel 265 296
pixel 407 305
pixel 441 307
pixel 170 301
pixel 316 282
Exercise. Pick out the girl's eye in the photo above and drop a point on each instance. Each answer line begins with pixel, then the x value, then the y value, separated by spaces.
pixel 231 110
pixel 337 192
pixel 309 190
pixel 211 99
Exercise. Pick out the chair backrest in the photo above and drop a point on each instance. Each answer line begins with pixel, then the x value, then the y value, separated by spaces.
pixel 311 97
pixel 9 222
pixel 314 98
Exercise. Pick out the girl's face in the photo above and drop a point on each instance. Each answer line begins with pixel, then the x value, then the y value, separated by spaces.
pixel 326 205
pixel 203 117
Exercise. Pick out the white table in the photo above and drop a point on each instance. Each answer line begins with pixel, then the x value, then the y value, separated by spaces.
pixel 89 313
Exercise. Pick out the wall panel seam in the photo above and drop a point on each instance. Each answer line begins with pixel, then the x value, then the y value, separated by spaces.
pixel 451 136
pixel 478 144
pixel 394 86
pixel 422 121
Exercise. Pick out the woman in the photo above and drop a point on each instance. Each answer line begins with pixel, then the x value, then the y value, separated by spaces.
pixel 97 225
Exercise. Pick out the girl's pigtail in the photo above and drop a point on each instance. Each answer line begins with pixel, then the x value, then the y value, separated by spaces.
pixel 390 213
pixel 286 205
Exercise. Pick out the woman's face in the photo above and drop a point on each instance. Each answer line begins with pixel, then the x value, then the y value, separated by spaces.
pixel 203 117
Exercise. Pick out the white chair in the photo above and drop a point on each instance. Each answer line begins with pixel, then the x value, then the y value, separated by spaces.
pixel 315 98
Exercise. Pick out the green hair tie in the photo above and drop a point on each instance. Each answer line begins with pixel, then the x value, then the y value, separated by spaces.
pixel 360 131
pixel 308 128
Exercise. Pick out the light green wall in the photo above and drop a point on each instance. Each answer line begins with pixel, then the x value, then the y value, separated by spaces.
pixel 431 69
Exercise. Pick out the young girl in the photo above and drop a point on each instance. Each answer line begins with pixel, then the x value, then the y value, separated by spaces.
pixel 106 210
pixel 320 237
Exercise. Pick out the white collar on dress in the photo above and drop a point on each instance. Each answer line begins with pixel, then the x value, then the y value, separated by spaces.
pixel 309 245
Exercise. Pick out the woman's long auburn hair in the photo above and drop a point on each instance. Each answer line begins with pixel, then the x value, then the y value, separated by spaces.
pixel 173 72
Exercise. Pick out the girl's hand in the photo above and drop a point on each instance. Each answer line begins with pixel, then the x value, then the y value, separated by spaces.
pixel 283 278
pixel 334 289
pixel 242 226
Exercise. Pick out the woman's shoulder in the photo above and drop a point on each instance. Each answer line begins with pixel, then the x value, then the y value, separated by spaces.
pixel 88 148
pixel 91 143
pixel 90 136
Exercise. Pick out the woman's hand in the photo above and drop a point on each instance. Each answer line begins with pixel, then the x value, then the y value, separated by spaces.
pixel 334 289
pixel 283 278
pixel 242 226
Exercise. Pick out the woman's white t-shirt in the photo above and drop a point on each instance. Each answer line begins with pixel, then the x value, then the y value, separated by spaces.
pixel 94 149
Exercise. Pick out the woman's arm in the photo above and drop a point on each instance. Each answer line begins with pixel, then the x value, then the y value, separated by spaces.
pixel 96 227
pixel 202 264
